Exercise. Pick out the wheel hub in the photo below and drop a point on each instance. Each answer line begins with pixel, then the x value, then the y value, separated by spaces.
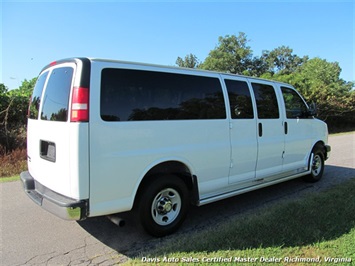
pixel 164 205
pixel 316 165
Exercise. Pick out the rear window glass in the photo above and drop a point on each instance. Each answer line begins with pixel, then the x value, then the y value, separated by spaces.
pixel 36 96
pixel 136 95
pixel 56 96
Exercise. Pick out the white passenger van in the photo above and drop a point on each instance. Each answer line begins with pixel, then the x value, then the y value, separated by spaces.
pixel 106 137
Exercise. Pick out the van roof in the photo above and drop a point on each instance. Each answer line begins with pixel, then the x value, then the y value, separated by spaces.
pixel 92 59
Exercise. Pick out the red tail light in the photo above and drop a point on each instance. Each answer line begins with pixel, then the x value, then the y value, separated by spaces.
pixel 80 105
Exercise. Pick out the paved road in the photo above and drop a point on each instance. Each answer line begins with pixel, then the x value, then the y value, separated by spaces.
pixel 31 236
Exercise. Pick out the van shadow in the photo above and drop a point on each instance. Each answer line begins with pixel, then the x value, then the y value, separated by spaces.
pixel 132 241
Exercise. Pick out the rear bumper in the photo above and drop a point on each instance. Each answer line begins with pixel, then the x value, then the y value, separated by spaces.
pixel 61 206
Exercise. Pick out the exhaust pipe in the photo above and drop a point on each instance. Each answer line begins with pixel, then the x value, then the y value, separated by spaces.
pixel 116 220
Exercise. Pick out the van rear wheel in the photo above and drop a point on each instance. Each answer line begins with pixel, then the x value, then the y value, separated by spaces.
pixel 317 165
pixel 163 205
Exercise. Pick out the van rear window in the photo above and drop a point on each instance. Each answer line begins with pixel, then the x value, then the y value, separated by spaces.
pixel 136 95
pixel 56 96
pixel 36 96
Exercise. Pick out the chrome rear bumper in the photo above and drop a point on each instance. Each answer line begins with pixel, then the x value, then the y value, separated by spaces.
pixel 61 206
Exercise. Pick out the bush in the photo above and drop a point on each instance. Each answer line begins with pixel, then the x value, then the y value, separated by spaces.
pixel 13 163
pixel 13 116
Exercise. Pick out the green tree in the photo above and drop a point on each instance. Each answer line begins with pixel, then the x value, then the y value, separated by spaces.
pixel 319 81
pixel 20 98
pixel 257 67
pixel 282 60
pixel 3 98
pixel 26 87
pixel 232 55
pixel 190 61
pixel 13 115
pixel 316 79
pixel 3 89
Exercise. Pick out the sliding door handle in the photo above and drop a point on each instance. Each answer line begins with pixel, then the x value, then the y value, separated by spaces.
pixel 260 130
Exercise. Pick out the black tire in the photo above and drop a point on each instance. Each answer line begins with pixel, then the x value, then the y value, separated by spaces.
pixel 163 205
pixel 317 165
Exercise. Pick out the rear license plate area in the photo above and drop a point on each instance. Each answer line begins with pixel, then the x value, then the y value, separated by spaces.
pixel 47 150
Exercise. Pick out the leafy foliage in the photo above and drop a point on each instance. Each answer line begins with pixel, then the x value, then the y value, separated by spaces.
pixel 317 79
pixel 232 55
pixel 281 60
pixel 190 61
pixel 13 116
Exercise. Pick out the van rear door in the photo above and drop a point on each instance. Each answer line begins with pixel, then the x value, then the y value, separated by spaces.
pixel 57 149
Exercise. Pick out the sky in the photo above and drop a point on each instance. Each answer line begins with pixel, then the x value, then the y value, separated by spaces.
pixel 35 33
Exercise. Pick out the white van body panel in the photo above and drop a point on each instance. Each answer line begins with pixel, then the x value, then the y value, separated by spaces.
pixel 60 178
pixel 79 160
pixel 120 166
pixel 96 167
pixel 122 152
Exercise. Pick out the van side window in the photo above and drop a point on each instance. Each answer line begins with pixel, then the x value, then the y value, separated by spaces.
pixel 239 99
pixel 136 95
pixel 56 96
pixel 266 101
pixel 36 96
pixel 295 106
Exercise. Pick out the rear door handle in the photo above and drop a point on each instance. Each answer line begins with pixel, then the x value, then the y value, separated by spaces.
pixel 260 130
pixel 47 151
pixel 286 128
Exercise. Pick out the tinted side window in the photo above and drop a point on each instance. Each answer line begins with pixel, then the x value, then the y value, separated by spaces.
pixel 266 101
pixel 56 97
pixel 136 95
pixel 295 106
pixel 239 99
pixel 36 96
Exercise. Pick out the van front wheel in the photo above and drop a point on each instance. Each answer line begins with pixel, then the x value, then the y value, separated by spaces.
pixel 163 205
pixel 317 165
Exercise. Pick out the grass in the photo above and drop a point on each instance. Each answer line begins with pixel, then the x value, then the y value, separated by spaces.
pixel 318 227
pixel 9 179
pixel 342 133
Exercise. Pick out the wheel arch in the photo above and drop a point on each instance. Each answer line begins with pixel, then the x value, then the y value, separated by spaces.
pixel 316 166
pixel 165 168
pixel 322 146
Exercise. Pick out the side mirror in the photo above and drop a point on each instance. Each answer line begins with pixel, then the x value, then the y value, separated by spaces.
pixel 312 110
